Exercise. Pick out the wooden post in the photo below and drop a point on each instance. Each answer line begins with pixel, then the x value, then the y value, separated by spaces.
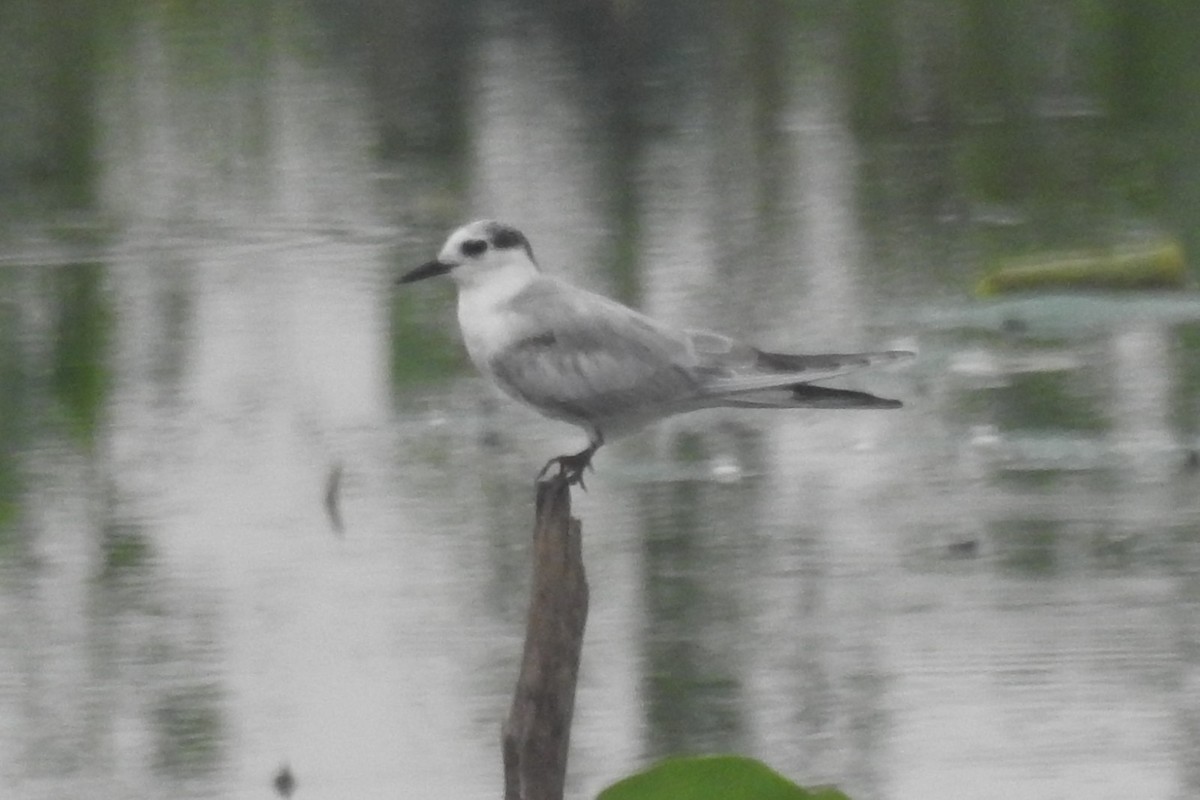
pixel 538 728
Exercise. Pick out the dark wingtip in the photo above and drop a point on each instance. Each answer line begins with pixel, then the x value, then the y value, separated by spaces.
pixel 814 396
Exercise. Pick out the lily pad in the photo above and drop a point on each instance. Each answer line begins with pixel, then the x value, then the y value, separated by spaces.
pixel 713 778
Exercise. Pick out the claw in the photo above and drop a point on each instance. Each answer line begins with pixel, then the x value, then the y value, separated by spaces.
pixel 572 467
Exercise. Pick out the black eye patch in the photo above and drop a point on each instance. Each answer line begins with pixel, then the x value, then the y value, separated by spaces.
pixel 504 237
pixel 473 247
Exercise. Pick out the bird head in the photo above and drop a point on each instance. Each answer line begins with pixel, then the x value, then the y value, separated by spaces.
pixel 477 250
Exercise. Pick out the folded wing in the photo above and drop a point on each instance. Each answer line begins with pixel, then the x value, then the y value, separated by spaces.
pixel 584 357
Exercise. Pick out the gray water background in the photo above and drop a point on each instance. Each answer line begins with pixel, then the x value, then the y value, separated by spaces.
pixel 991 593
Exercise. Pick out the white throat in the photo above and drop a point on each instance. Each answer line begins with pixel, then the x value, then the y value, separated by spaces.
pixel 496 284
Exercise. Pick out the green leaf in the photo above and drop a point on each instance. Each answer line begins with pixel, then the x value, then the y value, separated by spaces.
pixel 1156 265
pixel 712 778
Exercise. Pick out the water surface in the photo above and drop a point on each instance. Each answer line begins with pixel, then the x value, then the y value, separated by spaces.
pixel 989 593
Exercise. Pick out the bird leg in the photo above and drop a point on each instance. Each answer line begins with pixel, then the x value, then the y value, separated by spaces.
pixel 571 467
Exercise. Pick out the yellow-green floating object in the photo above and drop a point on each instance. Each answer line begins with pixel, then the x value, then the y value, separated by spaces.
pixel 1155 266
pixel 717 777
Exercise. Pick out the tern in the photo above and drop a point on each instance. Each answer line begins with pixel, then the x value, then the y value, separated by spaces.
pixel 582 358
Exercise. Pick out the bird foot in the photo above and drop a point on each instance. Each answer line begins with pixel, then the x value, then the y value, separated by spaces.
pixel 571 467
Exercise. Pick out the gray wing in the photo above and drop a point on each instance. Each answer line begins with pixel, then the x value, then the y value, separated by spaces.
pixel 762 370
pixel 584 357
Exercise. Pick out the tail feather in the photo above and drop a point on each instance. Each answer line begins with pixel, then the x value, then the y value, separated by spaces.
pixel 787 371
pixel 807 395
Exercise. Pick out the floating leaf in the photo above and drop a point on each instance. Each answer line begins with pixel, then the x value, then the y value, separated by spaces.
pixel 712 778
pixel 1159 265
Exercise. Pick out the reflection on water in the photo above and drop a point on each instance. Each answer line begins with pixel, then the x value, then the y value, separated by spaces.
pixel 990 593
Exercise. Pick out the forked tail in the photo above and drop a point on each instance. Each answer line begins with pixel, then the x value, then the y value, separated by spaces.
pixel 807 395
pixel 780 380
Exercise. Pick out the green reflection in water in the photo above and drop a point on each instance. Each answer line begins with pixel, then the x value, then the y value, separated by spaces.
pixel 47 102
pixel 1039 125
pixel 190 731
pixel 12 386
pixel 1186 387
pixel 1028 547
pixel 80 375
pixel 874 71
pixel 1045 401
pixel 425 346
pixel 124 548
pixel 693 693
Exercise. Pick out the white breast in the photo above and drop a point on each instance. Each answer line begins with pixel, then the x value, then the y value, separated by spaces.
pixel 485 314
pixel 485 330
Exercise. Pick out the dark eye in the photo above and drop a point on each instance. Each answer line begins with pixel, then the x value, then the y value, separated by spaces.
pixel 473 247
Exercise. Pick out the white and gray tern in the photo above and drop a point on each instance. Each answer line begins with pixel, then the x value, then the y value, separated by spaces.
pixel 584 359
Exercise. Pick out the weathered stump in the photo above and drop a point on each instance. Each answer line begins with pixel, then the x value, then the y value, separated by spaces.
pixel 538 729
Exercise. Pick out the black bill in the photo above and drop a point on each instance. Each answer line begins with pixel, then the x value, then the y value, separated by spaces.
pixel 430 270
